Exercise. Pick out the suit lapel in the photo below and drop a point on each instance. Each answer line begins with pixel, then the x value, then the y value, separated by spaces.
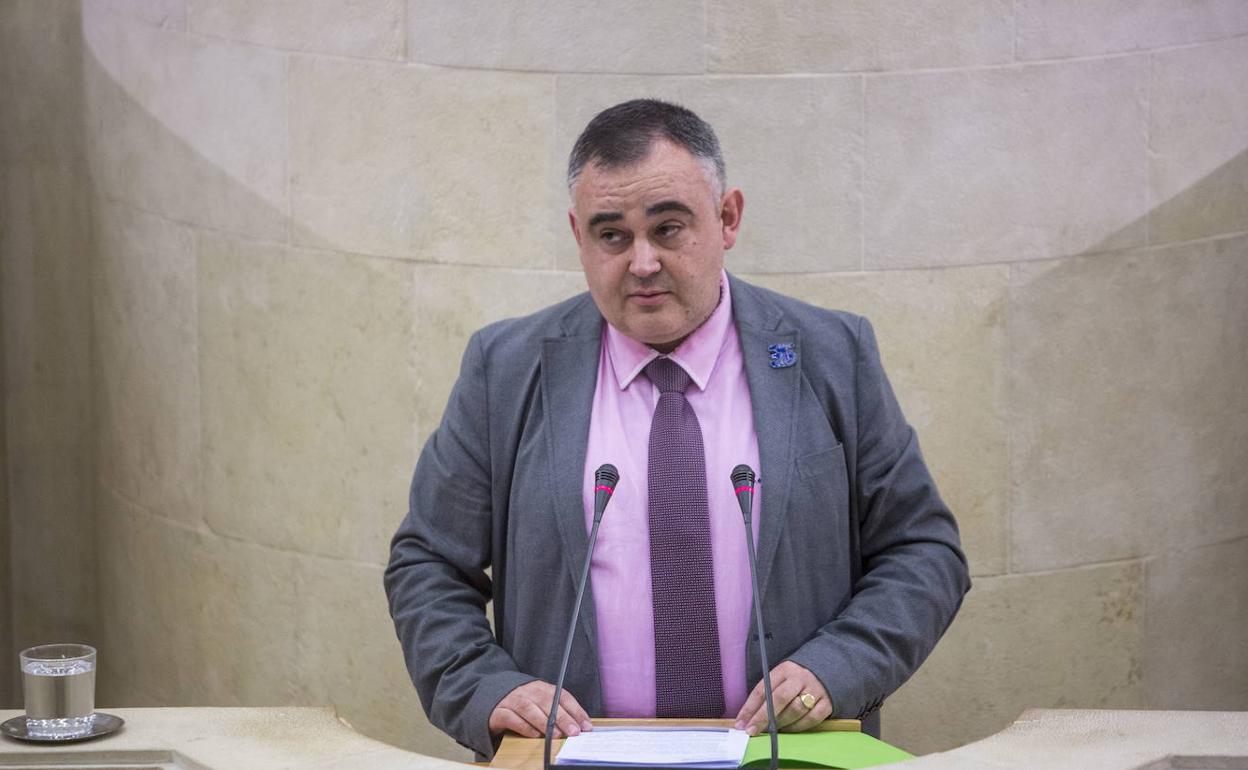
pixel 773 396
pixel 569 375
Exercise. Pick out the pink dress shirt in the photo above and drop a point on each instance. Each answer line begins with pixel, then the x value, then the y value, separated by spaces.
pixel 619 433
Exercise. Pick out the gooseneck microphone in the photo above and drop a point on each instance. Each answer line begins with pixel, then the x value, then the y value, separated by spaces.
pixel 605 479
pixel 743 484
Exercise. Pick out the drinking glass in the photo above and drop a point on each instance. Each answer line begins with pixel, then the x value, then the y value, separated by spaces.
pixel 58 681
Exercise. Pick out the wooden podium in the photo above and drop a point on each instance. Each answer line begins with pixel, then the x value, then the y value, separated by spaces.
pixel 526 753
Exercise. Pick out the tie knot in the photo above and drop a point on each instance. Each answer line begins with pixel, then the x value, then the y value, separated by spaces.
pixel 668 376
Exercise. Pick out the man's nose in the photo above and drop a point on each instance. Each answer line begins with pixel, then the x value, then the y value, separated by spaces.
pixel 644 261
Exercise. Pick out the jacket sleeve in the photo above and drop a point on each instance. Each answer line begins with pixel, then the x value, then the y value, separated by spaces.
pixel 437 580
pixel 913 572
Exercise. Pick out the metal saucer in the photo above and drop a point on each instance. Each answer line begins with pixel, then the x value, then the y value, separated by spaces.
pixel 104 725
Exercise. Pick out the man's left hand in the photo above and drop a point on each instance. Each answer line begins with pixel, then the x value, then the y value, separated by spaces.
pixel 789 682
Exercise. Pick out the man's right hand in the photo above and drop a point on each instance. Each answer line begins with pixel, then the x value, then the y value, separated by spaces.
pixel 525 710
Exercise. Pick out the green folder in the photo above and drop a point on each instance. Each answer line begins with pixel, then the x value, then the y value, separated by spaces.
pixel 823 749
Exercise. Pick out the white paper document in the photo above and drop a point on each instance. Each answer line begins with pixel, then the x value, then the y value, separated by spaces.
pixel 708 747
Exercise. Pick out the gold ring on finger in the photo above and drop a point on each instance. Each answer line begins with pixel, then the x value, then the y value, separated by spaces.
pixel 808 700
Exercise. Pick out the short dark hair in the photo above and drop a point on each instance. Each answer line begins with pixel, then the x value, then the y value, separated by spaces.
pixel 623 134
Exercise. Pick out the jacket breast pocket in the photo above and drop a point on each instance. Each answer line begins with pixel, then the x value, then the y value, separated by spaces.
pixel 824 461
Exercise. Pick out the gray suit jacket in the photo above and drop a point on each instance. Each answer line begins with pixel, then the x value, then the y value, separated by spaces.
pixel 860 563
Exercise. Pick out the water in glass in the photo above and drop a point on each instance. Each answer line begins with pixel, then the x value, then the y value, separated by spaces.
pixel 60 697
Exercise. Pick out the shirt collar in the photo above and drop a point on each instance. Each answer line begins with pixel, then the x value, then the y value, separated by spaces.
pixel 697 355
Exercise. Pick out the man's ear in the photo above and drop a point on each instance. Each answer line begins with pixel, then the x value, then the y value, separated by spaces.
pixel 576 231
pixel 730 210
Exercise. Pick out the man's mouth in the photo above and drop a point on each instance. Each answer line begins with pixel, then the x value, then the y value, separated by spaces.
pixel 648 296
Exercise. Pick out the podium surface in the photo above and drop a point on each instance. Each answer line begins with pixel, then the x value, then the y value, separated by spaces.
pixel 314 738
pixel 519 753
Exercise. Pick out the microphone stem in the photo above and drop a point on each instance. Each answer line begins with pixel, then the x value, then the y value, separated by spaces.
pixel 567 647
pixel 762 646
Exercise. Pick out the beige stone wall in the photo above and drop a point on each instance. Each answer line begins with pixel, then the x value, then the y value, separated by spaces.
pixel 299 210
pixel 8 698
pixel 47 548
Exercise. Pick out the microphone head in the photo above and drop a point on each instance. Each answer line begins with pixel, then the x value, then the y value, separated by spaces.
pixel 606 477
pixel 743 476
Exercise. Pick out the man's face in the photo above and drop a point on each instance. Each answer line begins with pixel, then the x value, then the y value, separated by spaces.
pixel 652 238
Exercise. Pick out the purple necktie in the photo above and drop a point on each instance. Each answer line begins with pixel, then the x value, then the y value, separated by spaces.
pixel 688 678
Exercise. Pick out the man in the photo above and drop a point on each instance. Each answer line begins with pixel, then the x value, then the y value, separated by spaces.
pixel 674 372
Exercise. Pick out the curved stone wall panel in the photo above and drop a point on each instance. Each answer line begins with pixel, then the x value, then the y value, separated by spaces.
pixel 1013 163
pixel 1182 669
pixel 190 128
pixel 1198 169
pixel 424 164
pixel 1062 638
pixel 308 396
pixel 856 35
pixel 1054 29
pixel 368 29
pixel 1128 436
pixel 559 35
pixel 170 14
pixel 147 382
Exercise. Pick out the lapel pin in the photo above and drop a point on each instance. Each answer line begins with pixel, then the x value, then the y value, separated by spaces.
pixel 782 355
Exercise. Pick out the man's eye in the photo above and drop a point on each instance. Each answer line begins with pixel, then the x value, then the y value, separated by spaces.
pixel 668 230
